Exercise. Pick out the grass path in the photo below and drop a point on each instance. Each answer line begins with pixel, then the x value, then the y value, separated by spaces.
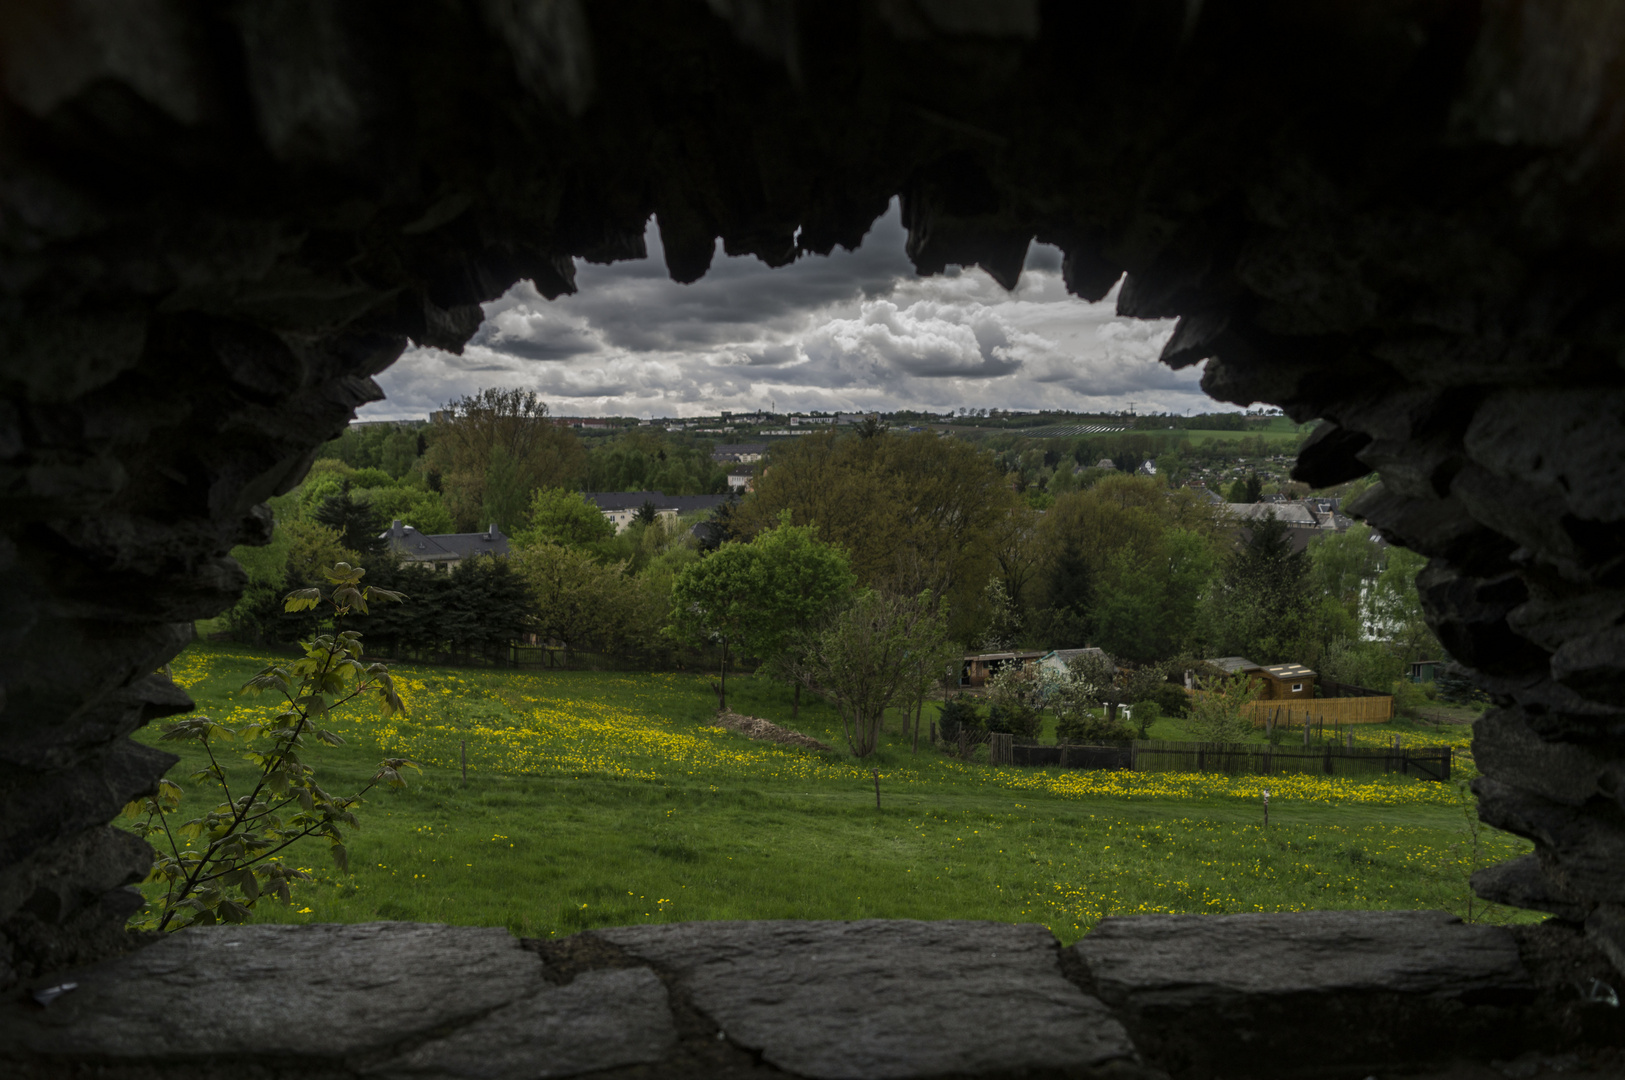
pixel 599 799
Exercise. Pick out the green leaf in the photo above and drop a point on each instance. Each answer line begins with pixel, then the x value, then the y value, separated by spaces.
pixel 341 857
pixel 233 912
pixel 302 599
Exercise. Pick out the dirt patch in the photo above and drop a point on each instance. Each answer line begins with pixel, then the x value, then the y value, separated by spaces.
pixel 754 727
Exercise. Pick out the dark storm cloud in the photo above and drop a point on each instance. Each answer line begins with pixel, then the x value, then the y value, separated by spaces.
pixel 850 330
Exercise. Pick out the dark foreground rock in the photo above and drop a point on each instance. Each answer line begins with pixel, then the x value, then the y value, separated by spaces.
pixel 219 220
pixel 868 999
pixel 1305 995
pixel 1313 993
pixel 890 999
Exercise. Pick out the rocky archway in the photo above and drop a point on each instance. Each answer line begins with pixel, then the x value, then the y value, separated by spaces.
pixel 218 221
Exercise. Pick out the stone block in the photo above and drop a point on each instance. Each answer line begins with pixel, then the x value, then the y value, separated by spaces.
pixel 880 998
pixel 1275 994
pixel 601 1020
pixel 339 995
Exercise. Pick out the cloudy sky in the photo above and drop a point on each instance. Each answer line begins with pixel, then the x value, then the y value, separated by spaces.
pixel 856 330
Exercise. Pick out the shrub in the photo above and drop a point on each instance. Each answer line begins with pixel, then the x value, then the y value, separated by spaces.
pixel 1171 699
pixel 959 711
pixel 1015 695
pixel 1016 718
pixel 1083 726
pixel 1144 714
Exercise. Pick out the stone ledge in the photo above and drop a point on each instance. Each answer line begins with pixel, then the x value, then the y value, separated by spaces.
pixel 1322 993
pixel 883 999
pixel 1307 994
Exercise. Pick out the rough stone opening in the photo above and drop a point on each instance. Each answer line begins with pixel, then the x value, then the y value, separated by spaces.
pixel 218 222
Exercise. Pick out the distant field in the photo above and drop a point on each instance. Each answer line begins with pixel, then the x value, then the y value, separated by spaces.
pixel 598 799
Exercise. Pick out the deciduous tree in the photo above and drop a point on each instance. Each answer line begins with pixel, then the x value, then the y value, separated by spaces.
pixel 494 449
pixel 868 659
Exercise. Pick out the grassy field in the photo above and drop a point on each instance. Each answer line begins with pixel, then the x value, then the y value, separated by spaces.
pixel 600 799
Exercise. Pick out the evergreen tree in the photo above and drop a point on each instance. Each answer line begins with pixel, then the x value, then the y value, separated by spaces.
pixel 1260 607
pixel 354 521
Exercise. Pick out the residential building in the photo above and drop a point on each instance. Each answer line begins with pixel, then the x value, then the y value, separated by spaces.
pixel 441 551
pixel 740 452
pixel 742 478
pixel 623 507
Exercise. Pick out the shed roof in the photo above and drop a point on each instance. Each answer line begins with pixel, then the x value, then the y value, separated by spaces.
pixel 1286 672
pixel 1233 664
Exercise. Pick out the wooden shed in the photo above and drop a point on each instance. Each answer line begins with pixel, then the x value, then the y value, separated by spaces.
pixel 978 668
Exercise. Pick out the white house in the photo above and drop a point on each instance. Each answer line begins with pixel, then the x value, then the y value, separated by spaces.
pixel 623 507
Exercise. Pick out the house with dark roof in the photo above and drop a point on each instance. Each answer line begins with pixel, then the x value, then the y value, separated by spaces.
pixel 742 477
pixel 442 551
pixel 622 507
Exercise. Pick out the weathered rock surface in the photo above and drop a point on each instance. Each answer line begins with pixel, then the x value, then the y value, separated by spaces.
pixel 218 221
pixel 600 1020
pixel 1311 992
pixel 882 998
pixel 396 999
pixel 310 992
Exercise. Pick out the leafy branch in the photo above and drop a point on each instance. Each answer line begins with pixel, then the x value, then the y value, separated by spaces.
pixel 216 866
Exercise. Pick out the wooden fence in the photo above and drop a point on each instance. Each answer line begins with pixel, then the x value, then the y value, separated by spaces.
pixel 1157 755
pixel 1327 712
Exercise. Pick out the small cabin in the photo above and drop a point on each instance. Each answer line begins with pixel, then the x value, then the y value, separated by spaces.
pixel 976 669
pixel 1424 671
pixel 1287 681
pixel 1281 682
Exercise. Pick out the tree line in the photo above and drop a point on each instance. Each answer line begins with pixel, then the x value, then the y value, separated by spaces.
pixel 924 535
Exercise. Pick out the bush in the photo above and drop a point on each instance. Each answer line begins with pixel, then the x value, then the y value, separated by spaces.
pixel 1015 718
pixel 959 711
pixel 1144 714
pixel 1076 726
pixel 1171 700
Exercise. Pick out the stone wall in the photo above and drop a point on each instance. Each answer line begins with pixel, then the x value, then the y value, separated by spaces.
pixel 217 221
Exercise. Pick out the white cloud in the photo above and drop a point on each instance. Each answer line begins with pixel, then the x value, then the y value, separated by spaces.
pixel 854 330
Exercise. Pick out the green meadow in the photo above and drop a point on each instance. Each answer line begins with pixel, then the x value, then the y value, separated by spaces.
pixel 609 798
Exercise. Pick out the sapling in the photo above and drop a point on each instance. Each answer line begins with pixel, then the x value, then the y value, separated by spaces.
pixel 218 865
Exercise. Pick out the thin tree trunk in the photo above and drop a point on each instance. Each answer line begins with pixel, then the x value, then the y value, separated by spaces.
pixel 722 690
pixel 919 711
pixel 795 704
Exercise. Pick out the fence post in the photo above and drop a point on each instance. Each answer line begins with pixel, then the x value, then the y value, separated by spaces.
pixel 964 742
pixel 1306 732
pixel 1349 740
